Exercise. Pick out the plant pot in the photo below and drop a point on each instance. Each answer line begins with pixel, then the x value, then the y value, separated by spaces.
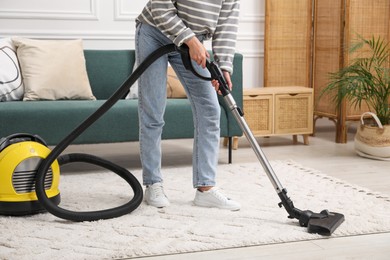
pixel 373 141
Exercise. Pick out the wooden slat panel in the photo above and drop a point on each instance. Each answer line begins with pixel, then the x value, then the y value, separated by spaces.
pixel 287 43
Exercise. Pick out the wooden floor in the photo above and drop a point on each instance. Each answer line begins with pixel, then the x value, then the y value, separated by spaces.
pixel 322 153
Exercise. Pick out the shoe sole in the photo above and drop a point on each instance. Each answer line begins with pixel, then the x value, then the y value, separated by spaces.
pixel 205 205
pixel 157 205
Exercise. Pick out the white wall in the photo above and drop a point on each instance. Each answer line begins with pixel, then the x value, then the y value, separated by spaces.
pixel 109 24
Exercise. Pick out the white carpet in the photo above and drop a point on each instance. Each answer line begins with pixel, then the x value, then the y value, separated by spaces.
pixel 183 227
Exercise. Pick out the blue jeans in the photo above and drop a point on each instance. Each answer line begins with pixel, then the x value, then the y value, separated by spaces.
pixel 152 100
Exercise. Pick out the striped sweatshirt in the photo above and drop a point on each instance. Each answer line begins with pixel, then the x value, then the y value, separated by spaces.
pixel 180 20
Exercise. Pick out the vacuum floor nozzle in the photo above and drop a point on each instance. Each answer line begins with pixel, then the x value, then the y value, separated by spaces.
pixel 326 225
pixel 323 223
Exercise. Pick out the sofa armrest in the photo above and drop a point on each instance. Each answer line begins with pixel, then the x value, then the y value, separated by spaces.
pixel 237 93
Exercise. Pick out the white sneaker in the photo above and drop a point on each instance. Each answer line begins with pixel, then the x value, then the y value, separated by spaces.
pixel 155 196
pixel 213 198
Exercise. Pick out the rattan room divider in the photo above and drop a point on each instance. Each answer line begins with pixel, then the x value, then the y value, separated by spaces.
pixel 288 29
pixel 305 40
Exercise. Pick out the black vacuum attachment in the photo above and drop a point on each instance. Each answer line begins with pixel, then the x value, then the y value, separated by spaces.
pixel 323 223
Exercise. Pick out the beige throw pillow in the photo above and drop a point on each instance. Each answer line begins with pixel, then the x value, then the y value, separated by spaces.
pixel 53 69
pixel 174 87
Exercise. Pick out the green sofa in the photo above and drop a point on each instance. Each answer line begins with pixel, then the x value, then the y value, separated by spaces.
pixel 107 70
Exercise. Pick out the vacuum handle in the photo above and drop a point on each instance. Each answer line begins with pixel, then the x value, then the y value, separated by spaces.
pixel 186 59
pixel 217 74
pixel 19 137
pixel 213 68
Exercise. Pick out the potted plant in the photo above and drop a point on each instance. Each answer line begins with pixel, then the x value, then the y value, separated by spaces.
pixel 367 80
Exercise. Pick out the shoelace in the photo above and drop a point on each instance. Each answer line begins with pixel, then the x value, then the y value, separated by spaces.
pixel 219 195
pixel 158 191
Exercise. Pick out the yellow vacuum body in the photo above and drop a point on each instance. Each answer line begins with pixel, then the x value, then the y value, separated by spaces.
pixel 20 156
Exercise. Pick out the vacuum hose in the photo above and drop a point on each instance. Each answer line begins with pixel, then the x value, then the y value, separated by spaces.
pixel 79 157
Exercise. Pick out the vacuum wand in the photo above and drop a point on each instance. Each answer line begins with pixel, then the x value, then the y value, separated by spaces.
pixel 239 116
pixel 325 222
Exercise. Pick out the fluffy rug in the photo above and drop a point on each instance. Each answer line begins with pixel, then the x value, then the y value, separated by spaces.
pixel 183 227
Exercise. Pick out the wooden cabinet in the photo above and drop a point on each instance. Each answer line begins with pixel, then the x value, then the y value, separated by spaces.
pixel 279 111
pixel 258 111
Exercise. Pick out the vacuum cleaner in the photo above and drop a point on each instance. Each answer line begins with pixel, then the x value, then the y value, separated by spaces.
pixel 323 223
pixel 20 155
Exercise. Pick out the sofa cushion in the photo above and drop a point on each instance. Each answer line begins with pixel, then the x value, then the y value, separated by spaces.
pixel 108 69
pixel 174 87
pixel 53 69
pixel 11 84
pixel 54 120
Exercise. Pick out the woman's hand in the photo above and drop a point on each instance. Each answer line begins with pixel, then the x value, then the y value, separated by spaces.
pixel 199 54
pixel 228 79
pixel 197 51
